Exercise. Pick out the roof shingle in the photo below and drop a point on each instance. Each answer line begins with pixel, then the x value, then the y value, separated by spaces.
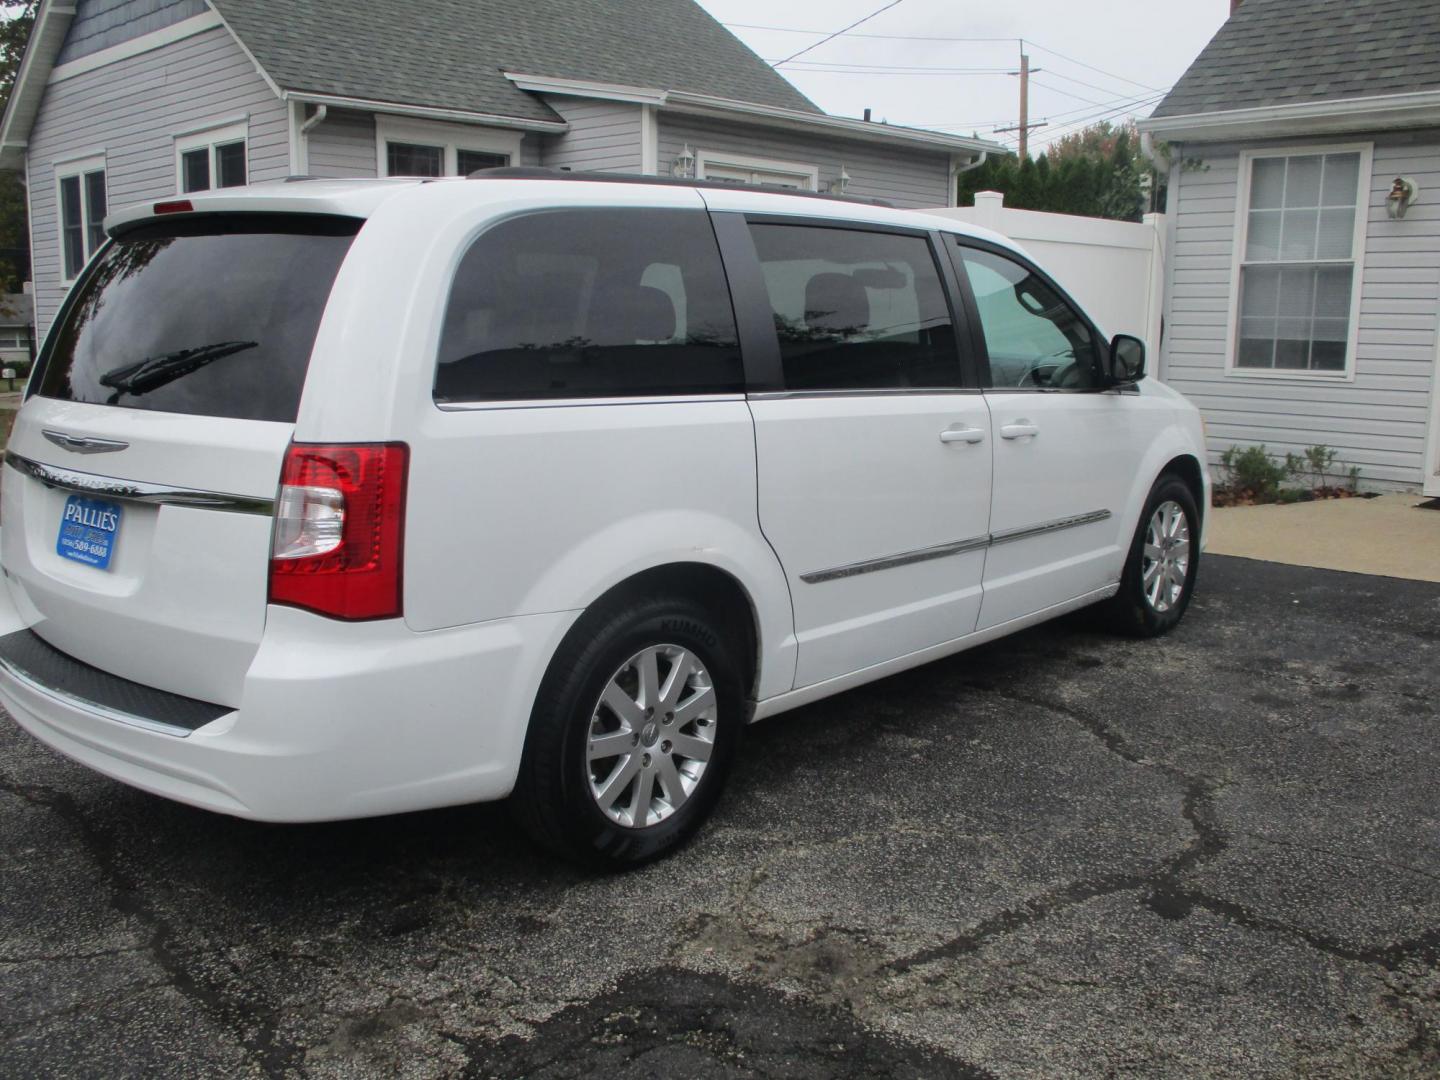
pixel 452 53
pixel 1281 52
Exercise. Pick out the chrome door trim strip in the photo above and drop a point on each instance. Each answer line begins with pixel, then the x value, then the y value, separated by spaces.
pixel 940 551
pixel 83 444
pixel 24 678
pixel 876 391
pixel 135 491
pixel 1026 531
pixel 905 558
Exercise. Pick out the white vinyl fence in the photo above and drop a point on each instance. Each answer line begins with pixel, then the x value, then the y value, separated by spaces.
pixel 1115 269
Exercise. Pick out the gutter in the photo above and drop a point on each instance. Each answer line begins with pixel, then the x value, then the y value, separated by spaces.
pixel 1419 109
pixel 426 112
pixel 727 108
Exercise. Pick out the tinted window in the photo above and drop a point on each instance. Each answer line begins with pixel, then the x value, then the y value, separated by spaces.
pixel 586 303
pixel 856 309
pixel 211 318
pixel 230 165
pixel 1034 337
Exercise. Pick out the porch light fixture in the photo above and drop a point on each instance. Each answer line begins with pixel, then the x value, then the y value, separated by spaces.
pixel 841 184
pixel 684 164
pixel 1402 194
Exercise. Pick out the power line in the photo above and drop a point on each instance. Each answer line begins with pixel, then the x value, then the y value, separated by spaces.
pixel 928 37
pixel 1067 93
pixel 1092 67
pixel 1069 128
pixel 843 30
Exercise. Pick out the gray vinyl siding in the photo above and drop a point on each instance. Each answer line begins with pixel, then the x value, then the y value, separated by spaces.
pixel 1378 421
pixel 130 111
pixel 343 145
pixel 903 176
pixel 604 136
pixel 99 24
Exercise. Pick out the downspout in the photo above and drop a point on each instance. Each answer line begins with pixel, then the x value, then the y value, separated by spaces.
pixel 956 170
pixel 321 111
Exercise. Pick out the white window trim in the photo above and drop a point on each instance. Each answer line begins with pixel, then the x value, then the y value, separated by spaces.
pixel 451 137
pixel 64 169
pixel 209 138
pixel 1242 219
pixel 704 158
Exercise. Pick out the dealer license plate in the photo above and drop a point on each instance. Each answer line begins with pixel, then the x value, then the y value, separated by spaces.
pixel 88 528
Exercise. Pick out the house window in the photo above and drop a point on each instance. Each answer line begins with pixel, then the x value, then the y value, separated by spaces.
pixel 422 148
pixel 730 169
pixel 215 158
pixel 1300 241
pixel 80 193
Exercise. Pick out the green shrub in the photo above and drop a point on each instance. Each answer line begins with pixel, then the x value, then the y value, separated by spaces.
pixel 1251 470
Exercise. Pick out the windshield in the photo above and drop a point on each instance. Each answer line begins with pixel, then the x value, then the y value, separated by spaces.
pixel 205 316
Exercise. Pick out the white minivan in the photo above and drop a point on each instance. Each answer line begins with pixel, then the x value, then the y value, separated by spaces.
pixel 340 498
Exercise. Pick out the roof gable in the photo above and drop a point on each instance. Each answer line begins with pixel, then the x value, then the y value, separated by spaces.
pixel 1287 52
pixel 452 54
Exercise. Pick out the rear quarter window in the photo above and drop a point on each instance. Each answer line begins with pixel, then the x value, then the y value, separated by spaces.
pixel 208 316
pixel 590 303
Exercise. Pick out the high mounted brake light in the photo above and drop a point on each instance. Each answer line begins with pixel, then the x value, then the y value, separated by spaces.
pixel 340 530
pixel 175 206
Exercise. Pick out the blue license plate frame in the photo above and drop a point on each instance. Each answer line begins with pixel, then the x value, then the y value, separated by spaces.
pixel 89 528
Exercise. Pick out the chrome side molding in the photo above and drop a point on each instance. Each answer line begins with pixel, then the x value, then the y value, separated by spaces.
pixel 905 558
pixel 134 491
pixel 83 444
pixel 940 551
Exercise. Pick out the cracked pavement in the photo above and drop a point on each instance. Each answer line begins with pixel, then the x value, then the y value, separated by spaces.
pixel 1062 854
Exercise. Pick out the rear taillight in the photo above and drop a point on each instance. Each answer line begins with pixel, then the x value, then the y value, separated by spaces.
pixel 340 530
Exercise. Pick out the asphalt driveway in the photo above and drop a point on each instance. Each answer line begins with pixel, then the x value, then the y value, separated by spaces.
pixel 1060 855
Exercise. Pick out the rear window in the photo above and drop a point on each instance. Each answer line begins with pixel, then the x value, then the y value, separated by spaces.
pixel 205 316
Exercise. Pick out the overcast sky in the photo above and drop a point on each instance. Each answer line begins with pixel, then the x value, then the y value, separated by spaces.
pixel 1139 46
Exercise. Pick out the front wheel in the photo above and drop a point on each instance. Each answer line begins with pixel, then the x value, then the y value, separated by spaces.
pixel 1164 559
pixel 632 733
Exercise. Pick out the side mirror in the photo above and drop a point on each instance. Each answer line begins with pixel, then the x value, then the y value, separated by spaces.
pixel 1127 359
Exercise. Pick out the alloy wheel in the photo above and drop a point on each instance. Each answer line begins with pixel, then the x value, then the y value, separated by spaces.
pixel 1166 557
pixel 651 735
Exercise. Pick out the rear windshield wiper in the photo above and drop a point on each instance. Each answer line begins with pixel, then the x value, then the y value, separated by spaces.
pixel 155 371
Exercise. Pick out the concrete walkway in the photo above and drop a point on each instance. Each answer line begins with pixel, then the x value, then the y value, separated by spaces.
pixel 1389 535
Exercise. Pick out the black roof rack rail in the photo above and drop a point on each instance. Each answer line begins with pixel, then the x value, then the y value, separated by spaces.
pixel 535 172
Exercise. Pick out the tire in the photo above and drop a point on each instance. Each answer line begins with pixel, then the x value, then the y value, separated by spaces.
pixel 568 801
pixel 1143 608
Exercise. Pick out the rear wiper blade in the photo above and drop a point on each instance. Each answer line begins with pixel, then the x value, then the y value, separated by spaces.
pixel 155 371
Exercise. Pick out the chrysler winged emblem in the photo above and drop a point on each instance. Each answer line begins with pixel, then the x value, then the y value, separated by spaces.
pixel 84 444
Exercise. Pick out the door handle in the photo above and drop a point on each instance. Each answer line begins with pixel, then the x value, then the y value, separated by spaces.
pixel 965 435
pixel 1020 429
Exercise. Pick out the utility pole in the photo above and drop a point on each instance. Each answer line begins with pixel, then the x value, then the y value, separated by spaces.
pixel 1024 126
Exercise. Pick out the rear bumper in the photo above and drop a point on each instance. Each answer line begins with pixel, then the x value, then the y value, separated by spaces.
pixel 337 720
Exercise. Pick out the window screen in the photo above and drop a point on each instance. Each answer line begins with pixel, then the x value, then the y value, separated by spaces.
pixel 72 224
pixel 1298 269
pixel 195 169
pixel 467 161
pixel 411 159
pixel 230 165
pixel 856 310
pixel 587 303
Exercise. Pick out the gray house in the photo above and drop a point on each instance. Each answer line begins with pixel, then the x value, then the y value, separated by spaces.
pixel 123 101
pixel 1303 265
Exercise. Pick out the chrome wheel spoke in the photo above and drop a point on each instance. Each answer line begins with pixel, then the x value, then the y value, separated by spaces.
pixel 694 706
pixel 608 746
pixel 648 665
pixel 1153 551
pixel 675 681
pixel 691 746
pixel 618 780
pixel 626 709
pixel 670 782
pixel 640 800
